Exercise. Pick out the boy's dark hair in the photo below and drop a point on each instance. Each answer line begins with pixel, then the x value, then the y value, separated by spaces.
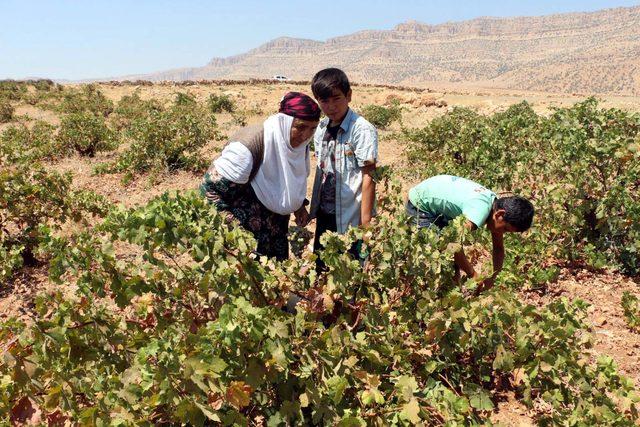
pixel 325 81
pixel 518 211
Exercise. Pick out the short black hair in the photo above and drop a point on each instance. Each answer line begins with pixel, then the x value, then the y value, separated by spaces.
pixel 325 81
pixel 518 211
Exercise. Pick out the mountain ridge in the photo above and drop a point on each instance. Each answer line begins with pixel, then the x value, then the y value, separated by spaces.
pixel 587 52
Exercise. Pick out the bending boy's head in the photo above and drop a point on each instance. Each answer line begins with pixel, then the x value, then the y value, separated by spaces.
pixel 327 81
pixel 511 214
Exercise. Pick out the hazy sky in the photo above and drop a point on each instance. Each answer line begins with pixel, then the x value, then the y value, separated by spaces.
pixel 96 38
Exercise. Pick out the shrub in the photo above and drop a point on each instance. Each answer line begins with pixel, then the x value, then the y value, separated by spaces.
pixel 43 85
pixel 12 90
pixel 46 96
pixel 189 330
pixel 631 307
pixel 85 133
pixel 19 143
pixel 33 203
pixel 10 260
pixel 85 99
pixel 239 118
pixel 166 140
pixel 380 116
pixel 6 111
pixel 185 100
pixel 131 108
pixel 220 103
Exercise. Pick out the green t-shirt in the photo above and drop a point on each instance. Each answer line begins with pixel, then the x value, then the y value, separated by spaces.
pixel 452 196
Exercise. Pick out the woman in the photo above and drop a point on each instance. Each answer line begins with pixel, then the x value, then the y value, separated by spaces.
pixel 260 178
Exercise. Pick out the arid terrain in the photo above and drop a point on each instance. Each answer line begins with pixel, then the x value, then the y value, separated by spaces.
pixel 602 290
pixel 595 52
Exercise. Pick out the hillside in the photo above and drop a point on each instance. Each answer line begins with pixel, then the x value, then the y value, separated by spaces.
pixel 594 52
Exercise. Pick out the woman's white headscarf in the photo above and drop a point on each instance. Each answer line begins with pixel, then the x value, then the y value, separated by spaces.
pixel 281 182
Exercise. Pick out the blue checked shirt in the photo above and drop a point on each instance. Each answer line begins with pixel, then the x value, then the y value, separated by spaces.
pixel 355 148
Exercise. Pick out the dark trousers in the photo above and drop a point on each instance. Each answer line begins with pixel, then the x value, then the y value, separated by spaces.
pixel 324 222
pixel 327 222
pixel 425 219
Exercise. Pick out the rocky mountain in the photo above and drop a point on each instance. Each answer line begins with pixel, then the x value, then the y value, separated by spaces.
pixel 595 52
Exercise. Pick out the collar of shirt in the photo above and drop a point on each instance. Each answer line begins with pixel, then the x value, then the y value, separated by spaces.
pixel 346 122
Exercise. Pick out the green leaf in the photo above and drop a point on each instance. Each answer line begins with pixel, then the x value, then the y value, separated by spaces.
pixel 336 386
pixel 304 400
pixel 369 397
pixel 481 401
pixel 503 360
pixel 218 365
pixel 208 412
pixel 351 421
pixel 411 411
pixel 406 385
pixel 58 334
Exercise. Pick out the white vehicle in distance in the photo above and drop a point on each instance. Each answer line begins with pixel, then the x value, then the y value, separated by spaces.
pixel 279 78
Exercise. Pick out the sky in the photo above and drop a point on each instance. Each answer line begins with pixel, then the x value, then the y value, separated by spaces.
pixel 78 39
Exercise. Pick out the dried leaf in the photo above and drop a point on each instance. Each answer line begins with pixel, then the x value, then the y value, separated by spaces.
pixel 238 394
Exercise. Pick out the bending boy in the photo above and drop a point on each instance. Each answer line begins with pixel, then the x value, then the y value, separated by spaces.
pixel 439 199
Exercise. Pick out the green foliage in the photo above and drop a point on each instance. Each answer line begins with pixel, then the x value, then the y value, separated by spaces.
pixel 631 307
pixel 185 100
pixel 6 111
pixel 239 118
pixel 12 90
pixel 381 117
pixel 86 133
pixel 46 94
pixel 165 315
pixel 188 330
pixel 131 108
pixel 44 85
pixel 166 140
pixel 85 99
pixel 10 260
pixel 299 238
pixel 20 143
pixel 579 165
pixel 220 103
pixel 33 203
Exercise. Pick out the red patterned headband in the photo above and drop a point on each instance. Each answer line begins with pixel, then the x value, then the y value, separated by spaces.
pixel 300 106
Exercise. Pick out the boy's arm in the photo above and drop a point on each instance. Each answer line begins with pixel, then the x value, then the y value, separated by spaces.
pixel 368 194
pixel 498 260
pixel 365 143
pixel 497 256
pixel 461 259
pixel 498 252
pixel 463 263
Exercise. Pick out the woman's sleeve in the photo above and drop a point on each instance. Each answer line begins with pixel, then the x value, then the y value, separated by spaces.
pixel 235 163
pixel 227 177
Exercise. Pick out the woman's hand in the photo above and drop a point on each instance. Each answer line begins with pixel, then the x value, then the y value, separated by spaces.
pixel 302 216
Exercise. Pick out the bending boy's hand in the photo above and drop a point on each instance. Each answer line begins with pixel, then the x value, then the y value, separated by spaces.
pixel 485 285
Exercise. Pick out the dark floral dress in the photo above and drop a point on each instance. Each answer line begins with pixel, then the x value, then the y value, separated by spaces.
pixel 240 202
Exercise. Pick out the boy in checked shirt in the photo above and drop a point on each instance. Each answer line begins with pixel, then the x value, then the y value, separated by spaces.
pixel 346 147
